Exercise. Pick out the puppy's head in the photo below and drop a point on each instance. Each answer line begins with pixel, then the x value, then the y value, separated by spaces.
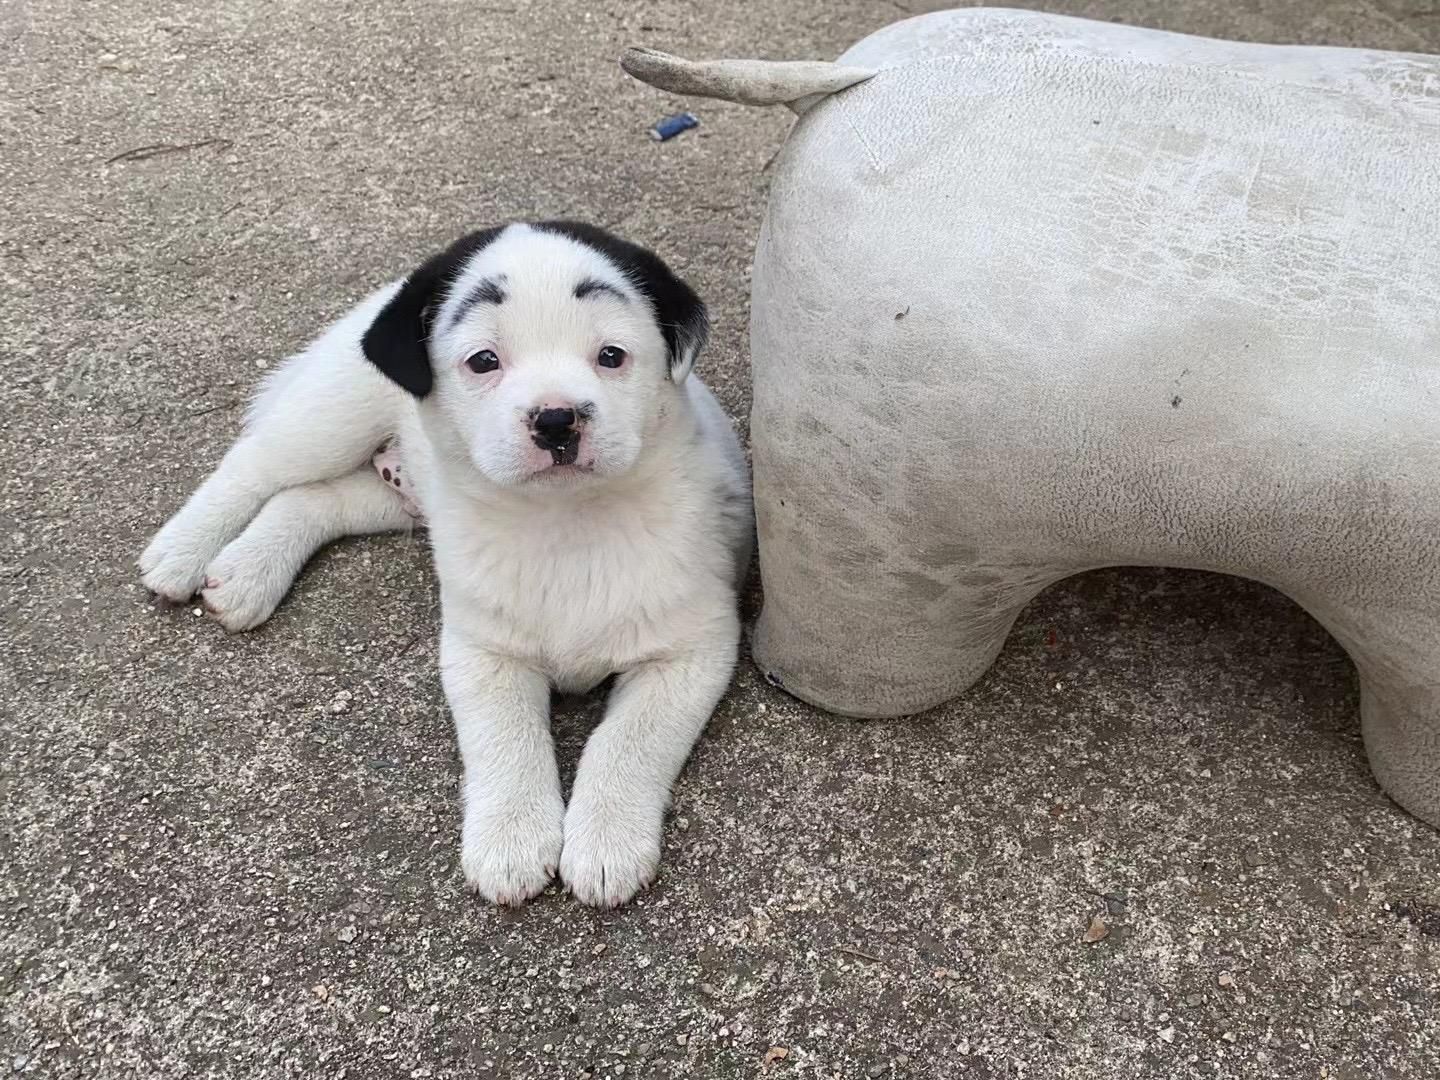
pixel 549 350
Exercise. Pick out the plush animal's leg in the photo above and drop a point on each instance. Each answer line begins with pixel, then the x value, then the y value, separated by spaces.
pixel 1390 627
pixel 622 787
pixel 248 579
pixel 322 415
pixel 902 650
pixel 1400 719
pixel 513 810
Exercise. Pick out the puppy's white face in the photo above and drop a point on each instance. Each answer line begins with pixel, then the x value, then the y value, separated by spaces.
pixel 548 352
pixel 548 363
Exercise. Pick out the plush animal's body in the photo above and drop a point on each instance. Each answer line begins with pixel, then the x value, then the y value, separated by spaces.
pixel 1035 295
pixel 528 393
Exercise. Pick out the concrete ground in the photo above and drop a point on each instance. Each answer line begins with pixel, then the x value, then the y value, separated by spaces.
pixel 236 857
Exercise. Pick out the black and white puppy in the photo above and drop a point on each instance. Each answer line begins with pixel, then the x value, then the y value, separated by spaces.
pixel 528 393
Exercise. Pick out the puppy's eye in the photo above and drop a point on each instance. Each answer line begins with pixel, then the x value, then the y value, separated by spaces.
pixel 483 362
pixel 612 356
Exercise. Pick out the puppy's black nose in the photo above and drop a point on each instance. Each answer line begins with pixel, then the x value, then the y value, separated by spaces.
pixel 554 428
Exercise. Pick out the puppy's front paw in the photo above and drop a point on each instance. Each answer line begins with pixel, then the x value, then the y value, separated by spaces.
pixel 612 849
pixel 509 854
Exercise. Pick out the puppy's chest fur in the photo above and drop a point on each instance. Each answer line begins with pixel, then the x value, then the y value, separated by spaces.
pixel 578 592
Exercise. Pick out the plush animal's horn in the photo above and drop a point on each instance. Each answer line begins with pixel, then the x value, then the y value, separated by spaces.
pixel 800 84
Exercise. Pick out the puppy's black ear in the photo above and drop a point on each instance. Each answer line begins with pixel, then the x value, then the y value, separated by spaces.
pixel 686 325
pixel 682 317
pixel 398 340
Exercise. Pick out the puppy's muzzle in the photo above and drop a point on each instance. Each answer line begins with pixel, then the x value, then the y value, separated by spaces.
pixel 558 431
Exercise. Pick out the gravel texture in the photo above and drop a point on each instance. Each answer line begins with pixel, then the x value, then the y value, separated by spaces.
pixel 1146 845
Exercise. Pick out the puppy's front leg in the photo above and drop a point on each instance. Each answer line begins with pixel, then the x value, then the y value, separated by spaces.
pixel 622 787
pixel 513 811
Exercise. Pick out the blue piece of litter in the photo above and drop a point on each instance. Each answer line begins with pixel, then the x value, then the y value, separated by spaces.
pixel 671 126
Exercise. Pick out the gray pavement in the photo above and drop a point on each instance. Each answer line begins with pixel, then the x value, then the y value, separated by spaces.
pixel 236 857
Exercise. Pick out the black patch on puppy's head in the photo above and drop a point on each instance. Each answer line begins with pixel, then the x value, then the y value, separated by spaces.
pixel 397 341
pixel 680 313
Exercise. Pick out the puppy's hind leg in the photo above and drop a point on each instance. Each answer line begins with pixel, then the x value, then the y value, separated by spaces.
pixel 320 416
pixel 249 578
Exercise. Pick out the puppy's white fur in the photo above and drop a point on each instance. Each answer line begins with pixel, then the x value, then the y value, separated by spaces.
pixel 552 576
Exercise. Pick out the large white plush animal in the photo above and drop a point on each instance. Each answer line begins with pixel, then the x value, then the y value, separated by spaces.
pixel 1035 295
pixel 528 392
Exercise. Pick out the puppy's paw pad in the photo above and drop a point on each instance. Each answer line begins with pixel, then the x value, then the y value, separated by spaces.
pixel 510 864
pixel 608 858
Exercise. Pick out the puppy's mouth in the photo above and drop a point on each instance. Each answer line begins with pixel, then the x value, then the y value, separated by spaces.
pixel 568 455
pixel 557 470
pixel 565 461
pixel 565 453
